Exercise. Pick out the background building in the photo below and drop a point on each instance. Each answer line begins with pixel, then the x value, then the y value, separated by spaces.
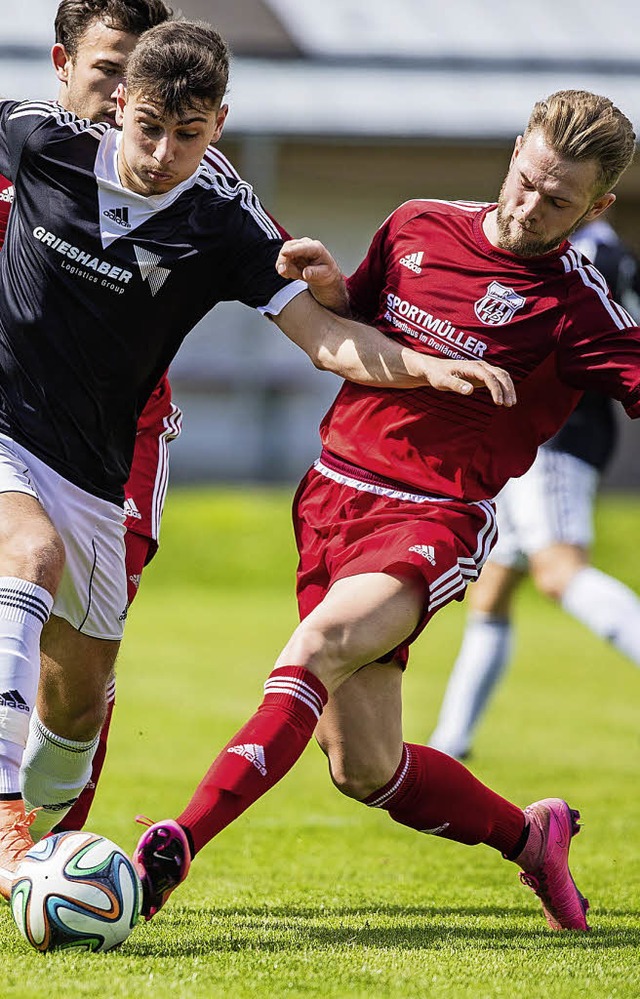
pixel 339 112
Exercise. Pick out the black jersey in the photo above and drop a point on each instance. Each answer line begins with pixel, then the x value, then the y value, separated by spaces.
pixel 99 286
pixel 590 433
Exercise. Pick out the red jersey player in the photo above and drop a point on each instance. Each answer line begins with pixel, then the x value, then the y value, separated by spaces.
pixel 396 517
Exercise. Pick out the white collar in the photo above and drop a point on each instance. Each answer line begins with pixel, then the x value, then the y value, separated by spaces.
pixel 122 210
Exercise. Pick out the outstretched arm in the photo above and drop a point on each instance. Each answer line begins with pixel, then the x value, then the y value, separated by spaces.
pixel 361 353
pixel 364 355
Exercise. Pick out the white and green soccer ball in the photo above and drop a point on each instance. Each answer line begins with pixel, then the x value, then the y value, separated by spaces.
pixel 76 890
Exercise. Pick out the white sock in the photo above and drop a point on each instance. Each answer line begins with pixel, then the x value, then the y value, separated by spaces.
pixel 483 656
pixel 24 609
pixel 607 607
pixel 53 773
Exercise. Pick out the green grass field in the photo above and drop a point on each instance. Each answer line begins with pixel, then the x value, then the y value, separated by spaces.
pixel 310 894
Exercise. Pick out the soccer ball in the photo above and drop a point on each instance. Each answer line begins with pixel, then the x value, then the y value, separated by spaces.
pixel 75 890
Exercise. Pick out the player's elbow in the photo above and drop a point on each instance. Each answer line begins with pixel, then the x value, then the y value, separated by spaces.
pixel 320 362
pixel 325 359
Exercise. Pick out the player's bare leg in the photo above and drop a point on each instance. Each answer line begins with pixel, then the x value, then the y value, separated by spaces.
pixel 481 661
pixel 360 619
pixel 31 565
pixel 563 573
pixel 602 603
pixel 365 749
pixel 360 731
pixel 553 568
pixel 71 697
pixel 70 711
pixel 77 815
pixel 494 590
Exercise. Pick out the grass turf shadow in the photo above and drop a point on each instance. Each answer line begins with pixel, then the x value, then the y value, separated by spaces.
pixel 412 928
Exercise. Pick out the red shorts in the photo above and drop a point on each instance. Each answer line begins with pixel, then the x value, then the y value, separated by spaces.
pixel 145 492
pixel 348 521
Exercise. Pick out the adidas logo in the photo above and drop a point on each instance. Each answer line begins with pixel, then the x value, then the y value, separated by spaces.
pixel 253 753
pixel 427 551
pixel 118 215
pixel 7 194
pixel 131 510
pixel 14 699
pixel 60 806
pixel 413 261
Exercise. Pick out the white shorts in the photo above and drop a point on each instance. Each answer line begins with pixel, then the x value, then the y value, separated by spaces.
pixel 92 595
pixel 552 503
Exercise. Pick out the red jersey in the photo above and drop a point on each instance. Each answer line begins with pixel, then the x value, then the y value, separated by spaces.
pixel 432 280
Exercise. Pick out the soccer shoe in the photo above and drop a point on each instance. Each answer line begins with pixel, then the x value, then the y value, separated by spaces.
pixel 162 859
pixel 15 841
pixel 545 863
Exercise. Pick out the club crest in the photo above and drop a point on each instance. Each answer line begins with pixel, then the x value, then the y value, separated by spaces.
pixel 499 305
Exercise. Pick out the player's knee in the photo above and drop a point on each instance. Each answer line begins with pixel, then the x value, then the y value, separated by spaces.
pixel 357 779
pixel 549 588
pixel 553 568
pixel 551 580
pixel 79 717
pixel 320 650
pixel 36 553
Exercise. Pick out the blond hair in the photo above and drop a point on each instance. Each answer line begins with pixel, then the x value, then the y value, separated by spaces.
pixel 579 125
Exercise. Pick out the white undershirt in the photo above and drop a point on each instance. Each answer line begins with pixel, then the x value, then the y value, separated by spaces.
pixel 113 197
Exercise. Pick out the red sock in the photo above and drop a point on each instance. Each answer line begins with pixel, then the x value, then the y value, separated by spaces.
pixel 262 752
pixel 77 815
pixel 432 792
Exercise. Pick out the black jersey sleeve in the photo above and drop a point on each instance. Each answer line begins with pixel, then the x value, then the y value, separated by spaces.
pixel 7 161
pixel 255 281
pixel 253 245
pixel 590 433
pixel 18 121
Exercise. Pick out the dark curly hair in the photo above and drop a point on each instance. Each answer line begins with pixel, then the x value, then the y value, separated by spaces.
pixel 133 16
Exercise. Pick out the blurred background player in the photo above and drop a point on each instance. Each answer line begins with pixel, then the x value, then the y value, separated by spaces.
pixel 545 520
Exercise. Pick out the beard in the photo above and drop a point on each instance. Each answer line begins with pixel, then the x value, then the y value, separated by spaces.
pixel 515 239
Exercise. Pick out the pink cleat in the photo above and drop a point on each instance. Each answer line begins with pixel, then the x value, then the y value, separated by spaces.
pixel 545 863
pixel 162 859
